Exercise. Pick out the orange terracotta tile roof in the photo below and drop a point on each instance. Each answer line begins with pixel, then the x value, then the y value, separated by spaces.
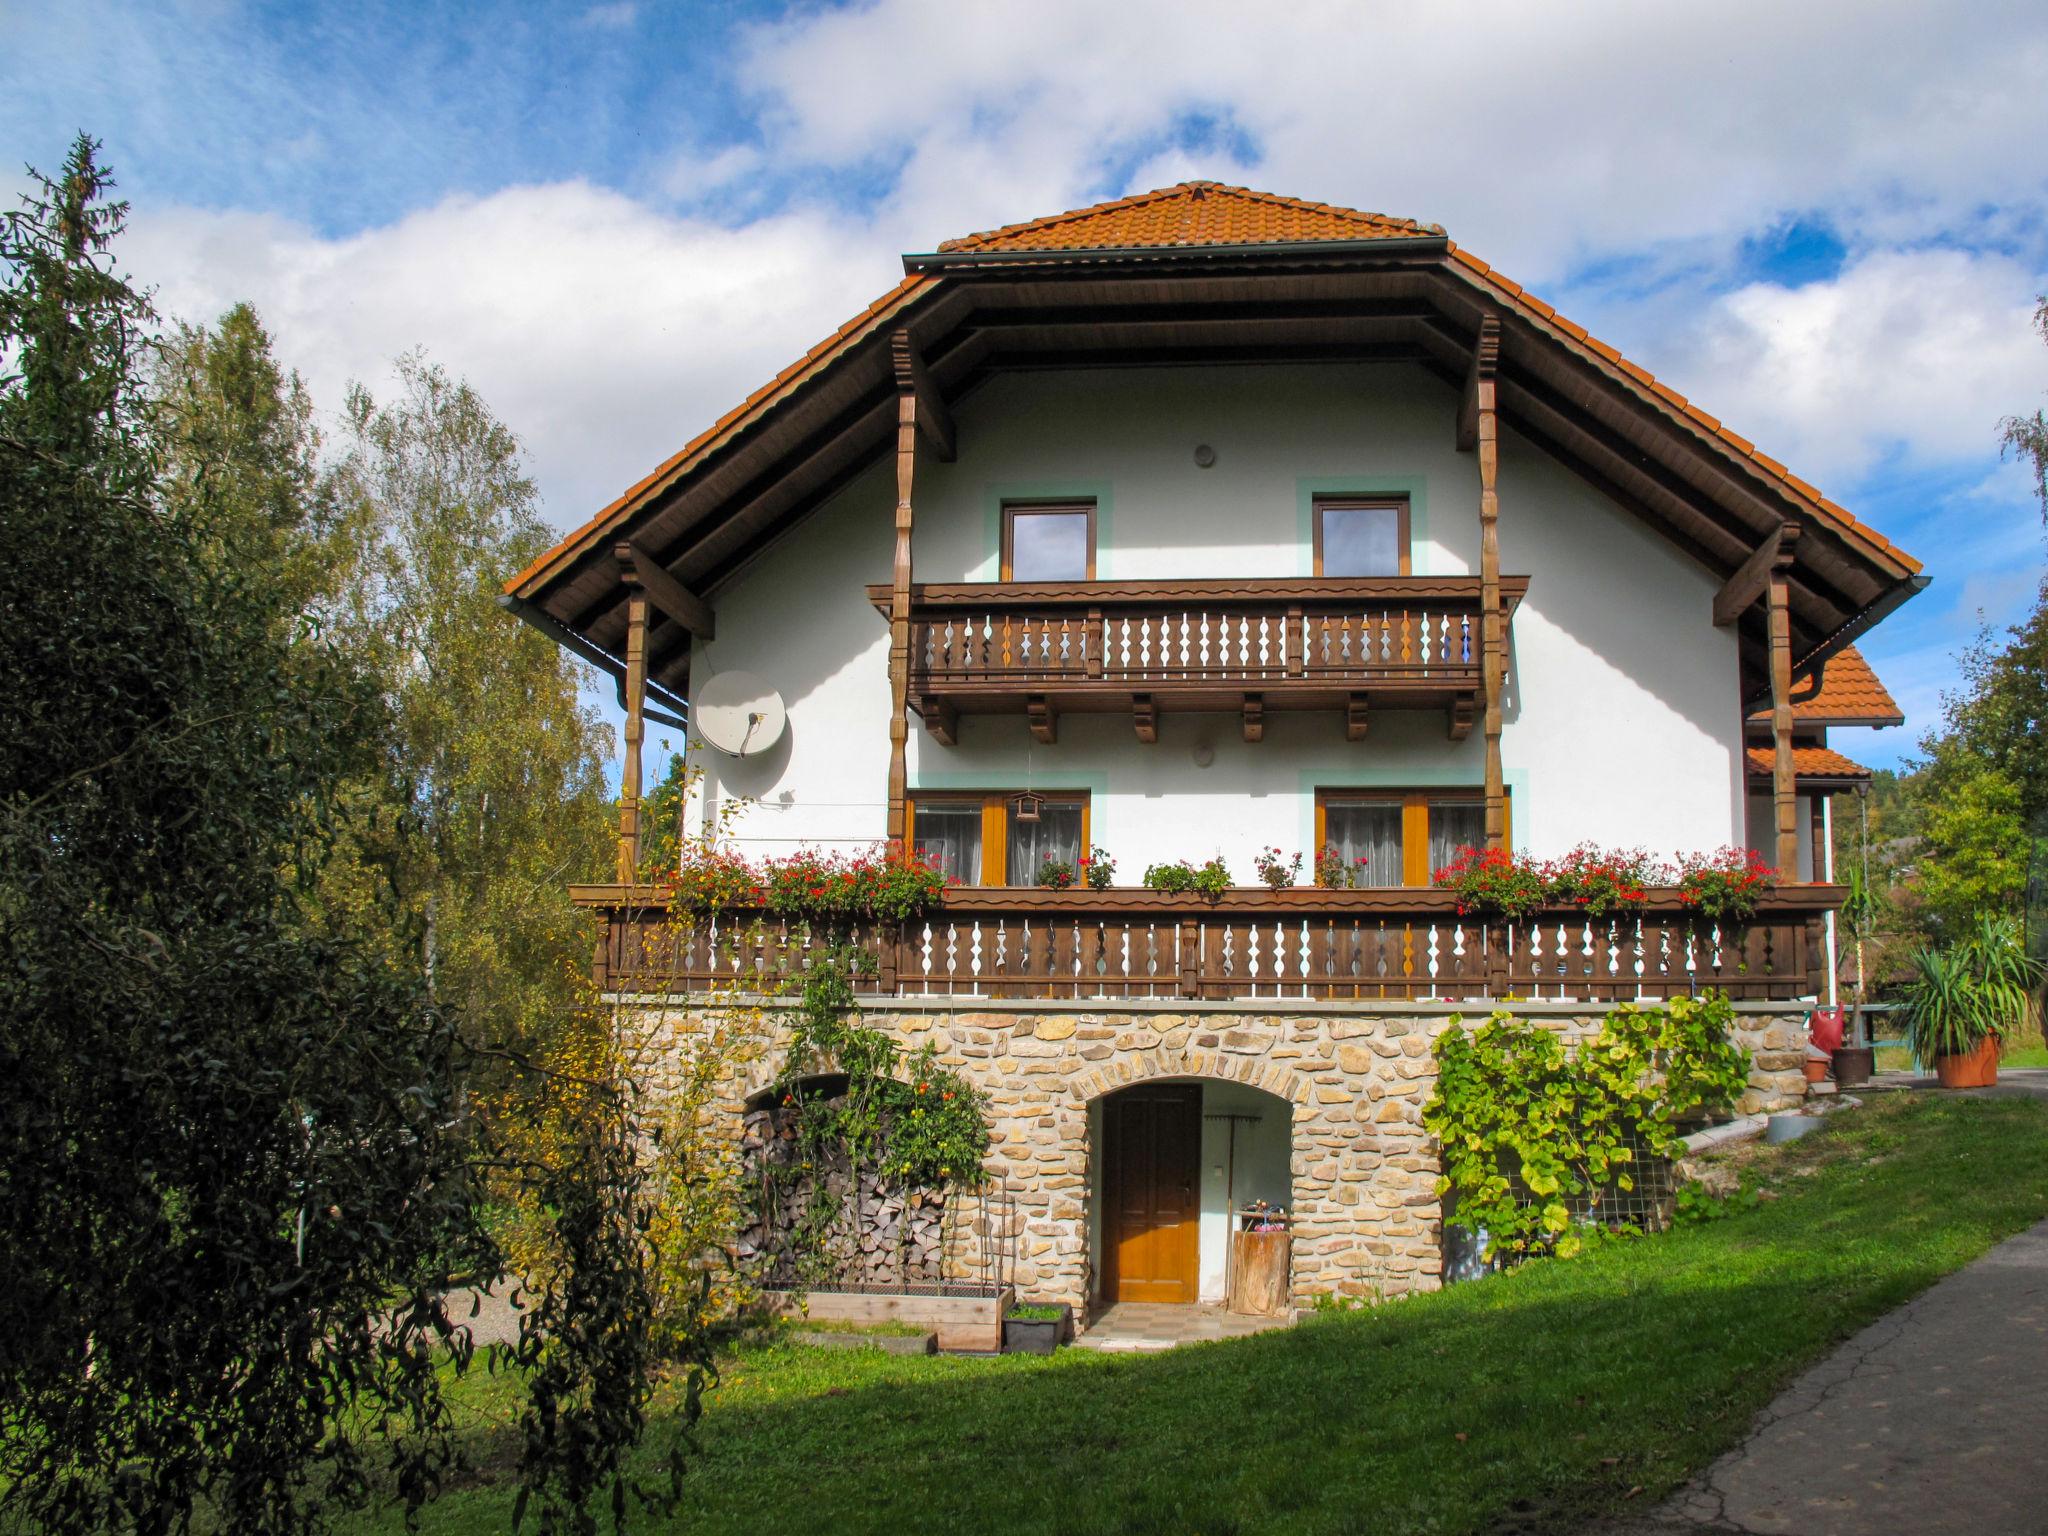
pixel 1192 213
pixel 1850 694
pixel 1808 763
pixel 783 383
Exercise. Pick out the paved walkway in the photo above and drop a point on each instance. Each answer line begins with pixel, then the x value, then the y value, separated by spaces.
pixel 2013 1083
pixel 1145 1325
pixel 1928 1421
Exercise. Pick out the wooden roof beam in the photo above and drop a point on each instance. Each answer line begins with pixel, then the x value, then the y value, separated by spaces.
pixel 934 421
pixel 1740 592
pixel 676 601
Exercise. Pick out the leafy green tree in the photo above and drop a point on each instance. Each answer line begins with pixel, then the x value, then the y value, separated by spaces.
pixel 234 1175
pixel 2027 436
pixel 503 782
pixel 1975 859
pixel 239 440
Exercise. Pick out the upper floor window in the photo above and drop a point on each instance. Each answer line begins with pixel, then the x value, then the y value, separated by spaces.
pixel 1361 536
pixel 1045 541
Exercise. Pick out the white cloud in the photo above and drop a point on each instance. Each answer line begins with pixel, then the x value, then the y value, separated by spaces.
pixel 606 334
pixel 1920 350
pixel 607 331
pixel 612 18
pixel 1538 134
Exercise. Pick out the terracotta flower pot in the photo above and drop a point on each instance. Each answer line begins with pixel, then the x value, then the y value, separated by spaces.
pixel 1973 1069
pixel 1816 1069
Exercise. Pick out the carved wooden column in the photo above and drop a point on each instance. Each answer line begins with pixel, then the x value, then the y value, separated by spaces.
pixel 636 719
pixel 899 623
pixel 919 413
pixel 1478 430
pixel 1784 787
pixel 1767 573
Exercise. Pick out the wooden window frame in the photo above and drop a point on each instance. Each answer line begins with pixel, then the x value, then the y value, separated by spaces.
pixel 1414 803
pixel 1013 509
pixel 1403 536
pixel 995 822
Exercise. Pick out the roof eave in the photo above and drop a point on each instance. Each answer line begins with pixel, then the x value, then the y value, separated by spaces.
pixel 1291 250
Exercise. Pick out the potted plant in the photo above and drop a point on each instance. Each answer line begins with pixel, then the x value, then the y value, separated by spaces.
pixel 1182 878
pixel 1861 912
pixel 1494 883
pixel 1722 888
pixel 1037 1328
pixel 1276 872
pixel 1101 869
pixel 1058 875
pixel 1963 999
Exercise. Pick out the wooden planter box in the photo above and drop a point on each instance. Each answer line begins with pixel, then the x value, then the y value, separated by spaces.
pixel 1038 1336
pixel 962 1322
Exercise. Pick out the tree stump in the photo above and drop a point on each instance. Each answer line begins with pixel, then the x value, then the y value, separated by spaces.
pixel 1258 1273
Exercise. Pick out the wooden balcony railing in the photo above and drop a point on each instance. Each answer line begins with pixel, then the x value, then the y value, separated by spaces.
pixel 1098 645
pixel 1104 946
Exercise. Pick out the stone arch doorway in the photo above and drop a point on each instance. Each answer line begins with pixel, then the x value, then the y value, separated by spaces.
pixel 1168 1160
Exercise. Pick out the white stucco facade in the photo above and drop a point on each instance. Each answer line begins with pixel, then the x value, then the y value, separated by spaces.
pixel 1623 714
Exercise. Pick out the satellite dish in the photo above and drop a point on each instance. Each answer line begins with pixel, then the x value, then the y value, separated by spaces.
pixel 738 713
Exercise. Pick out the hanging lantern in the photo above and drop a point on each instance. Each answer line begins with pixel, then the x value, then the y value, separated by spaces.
pixel 1027 806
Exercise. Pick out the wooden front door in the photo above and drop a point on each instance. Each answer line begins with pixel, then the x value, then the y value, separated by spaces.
pixel 1151 1215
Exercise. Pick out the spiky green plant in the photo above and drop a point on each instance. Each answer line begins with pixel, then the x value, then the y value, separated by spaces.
pixel 1972 988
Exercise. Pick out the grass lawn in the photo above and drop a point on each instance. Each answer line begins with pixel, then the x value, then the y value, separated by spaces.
pixel 1532 1401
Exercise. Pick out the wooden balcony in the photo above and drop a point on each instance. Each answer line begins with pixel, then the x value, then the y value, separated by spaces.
pixel 1042 649
pixel 1296 944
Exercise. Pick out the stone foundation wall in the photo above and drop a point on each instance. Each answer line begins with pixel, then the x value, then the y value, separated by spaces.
pixel 1367 1218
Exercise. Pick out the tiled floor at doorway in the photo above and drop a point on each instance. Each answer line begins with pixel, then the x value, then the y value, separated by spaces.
pixel 1143 1325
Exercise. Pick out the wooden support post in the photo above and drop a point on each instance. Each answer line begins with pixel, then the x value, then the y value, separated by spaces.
pixel 1144 717
pixel 636 718
pixel 1478 430
pixel 1458 717
pixel 942 720
pixel 1045 720
pixel 670 597
pixel 1784 788
pixel 1748 583
pixel 899 623
pixel 1356 717
pixel 934 422
pixel 1255 717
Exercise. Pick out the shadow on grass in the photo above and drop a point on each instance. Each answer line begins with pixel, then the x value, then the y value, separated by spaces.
pixel 1535 1401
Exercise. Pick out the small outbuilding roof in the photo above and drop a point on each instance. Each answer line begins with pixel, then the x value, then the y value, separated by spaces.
pixel 1850 694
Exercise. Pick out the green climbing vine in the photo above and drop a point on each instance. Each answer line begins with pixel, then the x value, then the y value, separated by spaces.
pixel 1541 1141
pixel 913 1123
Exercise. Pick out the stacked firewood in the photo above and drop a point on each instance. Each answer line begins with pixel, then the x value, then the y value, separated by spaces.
pixel 878 1234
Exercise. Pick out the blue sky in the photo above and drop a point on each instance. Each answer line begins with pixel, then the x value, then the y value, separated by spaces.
pixel 1825 223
